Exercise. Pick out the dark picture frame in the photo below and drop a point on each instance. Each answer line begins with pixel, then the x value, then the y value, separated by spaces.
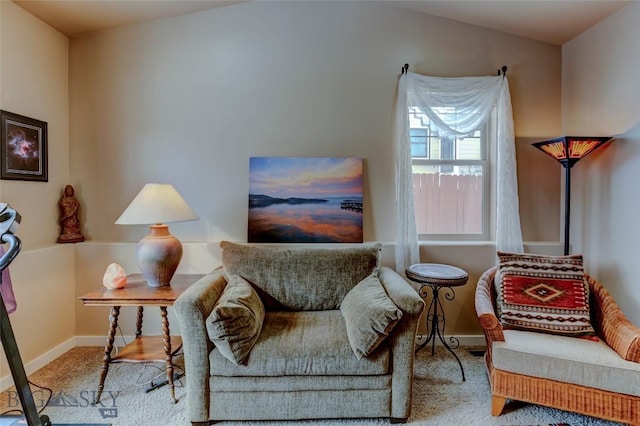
pixel 23 148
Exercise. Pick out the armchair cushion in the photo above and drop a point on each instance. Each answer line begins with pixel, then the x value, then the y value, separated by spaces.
pixel 568 360
pixel 543 293
pixel 235 323
pixel 304 343
pixel 369 314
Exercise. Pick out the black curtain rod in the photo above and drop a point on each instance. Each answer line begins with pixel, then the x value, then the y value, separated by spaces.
pixel 405 69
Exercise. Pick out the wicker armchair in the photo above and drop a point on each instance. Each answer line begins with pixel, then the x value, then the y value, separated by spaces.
pixel 611 326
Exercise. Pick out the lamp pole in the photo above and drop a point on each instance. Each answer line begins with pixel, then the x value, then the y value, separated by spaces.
pixel 567 205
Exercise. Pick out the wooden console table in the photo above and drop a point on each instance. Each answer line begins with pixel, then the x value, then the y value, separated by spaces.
pixel 144 348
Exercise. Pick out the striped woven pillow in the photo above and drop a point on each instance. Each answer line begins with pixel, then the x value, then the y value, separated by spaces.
pixel 543 293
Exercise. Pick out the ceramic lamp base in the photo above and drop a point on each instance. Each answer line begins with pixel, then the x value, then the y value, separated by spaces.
pixel 158 256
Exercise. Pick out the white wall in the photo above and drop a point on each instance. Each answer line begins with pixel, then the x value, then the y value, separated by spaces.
pixel 188 100
pixel 601 96
pixel 34 82
pixel 44 320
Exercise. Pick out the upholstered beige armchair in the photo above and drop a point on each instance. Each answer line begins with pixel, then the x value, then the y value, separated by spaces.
pixel 299 333
pixel 600 379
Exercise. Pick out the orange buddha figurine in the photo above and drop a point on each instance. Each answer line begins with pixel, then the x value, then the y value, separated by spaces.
pixel 69 222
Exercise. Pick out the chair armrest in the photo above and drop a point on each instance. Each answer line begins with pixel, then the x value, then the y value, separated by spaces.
pixel 611 323
pixel 402 339
pixel 400 292
pixel 192 309
pixel 485 308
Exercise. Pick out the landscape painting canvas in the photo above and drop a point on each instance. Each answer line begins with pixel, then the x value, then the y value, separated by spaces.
pixel 305 200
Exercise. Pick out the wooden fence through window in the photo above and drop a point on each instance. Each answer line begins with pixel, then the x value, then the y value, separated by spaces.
pixel 447 204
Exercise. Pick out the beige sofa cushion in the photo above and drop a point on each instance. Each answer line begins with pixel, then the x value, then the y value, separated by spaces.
pixel 566 359
pixel 311 343
pixel 236 320
pixel 301 279
pixel 369 315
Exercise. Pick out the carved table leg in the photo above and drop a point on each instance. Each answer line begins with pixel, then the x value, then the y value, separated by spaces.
pixel 167 351
pixel 139 321
pixel 115 311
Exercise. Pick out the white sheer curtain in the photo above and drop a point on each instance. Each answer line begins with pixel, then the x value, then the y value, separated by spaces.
pixel 474 98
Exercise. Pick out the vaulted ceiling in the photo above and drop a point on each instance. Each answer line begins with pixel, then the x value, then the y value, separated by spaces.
pixel 552 21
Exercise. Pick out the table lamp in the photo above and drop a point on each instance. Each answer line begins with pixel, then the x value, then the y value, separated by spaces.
pixel 568 150
pixel 159 253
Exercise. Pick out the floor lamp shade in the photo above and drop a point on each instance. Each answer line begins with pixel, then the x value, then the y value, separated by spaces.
pixel 568 150
pixel 159 253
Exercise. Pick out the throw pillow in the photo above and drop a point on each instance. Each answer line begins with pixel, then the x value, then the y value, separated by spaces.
pixel 369 314
pixel 543 293
pixel 235 322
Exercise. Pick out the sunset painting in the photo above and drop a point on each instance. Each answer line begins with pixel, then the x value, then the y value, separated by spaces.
pixel 305 200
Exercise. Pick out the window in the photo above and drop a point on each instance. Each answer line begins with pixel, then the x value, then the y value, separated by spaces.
pixel 450 179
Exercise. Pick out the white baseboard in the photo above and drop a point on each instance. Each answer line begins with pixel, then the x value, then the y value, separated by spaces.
pixel 33 366
pixel 472 340
pixel 465 340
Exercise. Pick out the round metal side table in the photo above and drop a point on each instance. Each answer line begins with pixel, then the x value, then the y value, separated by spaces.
pixel 437 277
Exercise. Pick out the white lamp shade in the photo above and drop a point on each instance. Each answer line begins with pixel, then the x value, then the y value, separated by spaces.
pixel 156 203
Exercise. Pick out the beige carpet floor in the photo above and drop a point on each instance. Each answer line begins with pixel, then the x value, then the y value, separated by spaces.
pixel 440 397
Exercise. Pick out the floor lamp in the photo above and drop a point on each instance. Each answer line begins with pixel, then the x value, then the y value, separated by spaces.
pixel 568 150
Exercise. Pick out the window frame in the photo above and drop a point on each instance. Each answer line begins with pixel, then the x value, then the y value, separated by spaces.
pixel 487 161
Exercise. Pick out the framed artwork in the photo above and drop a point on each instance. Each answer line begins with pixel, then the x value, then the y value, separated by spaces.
pixel 23 148
pixel 305 200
